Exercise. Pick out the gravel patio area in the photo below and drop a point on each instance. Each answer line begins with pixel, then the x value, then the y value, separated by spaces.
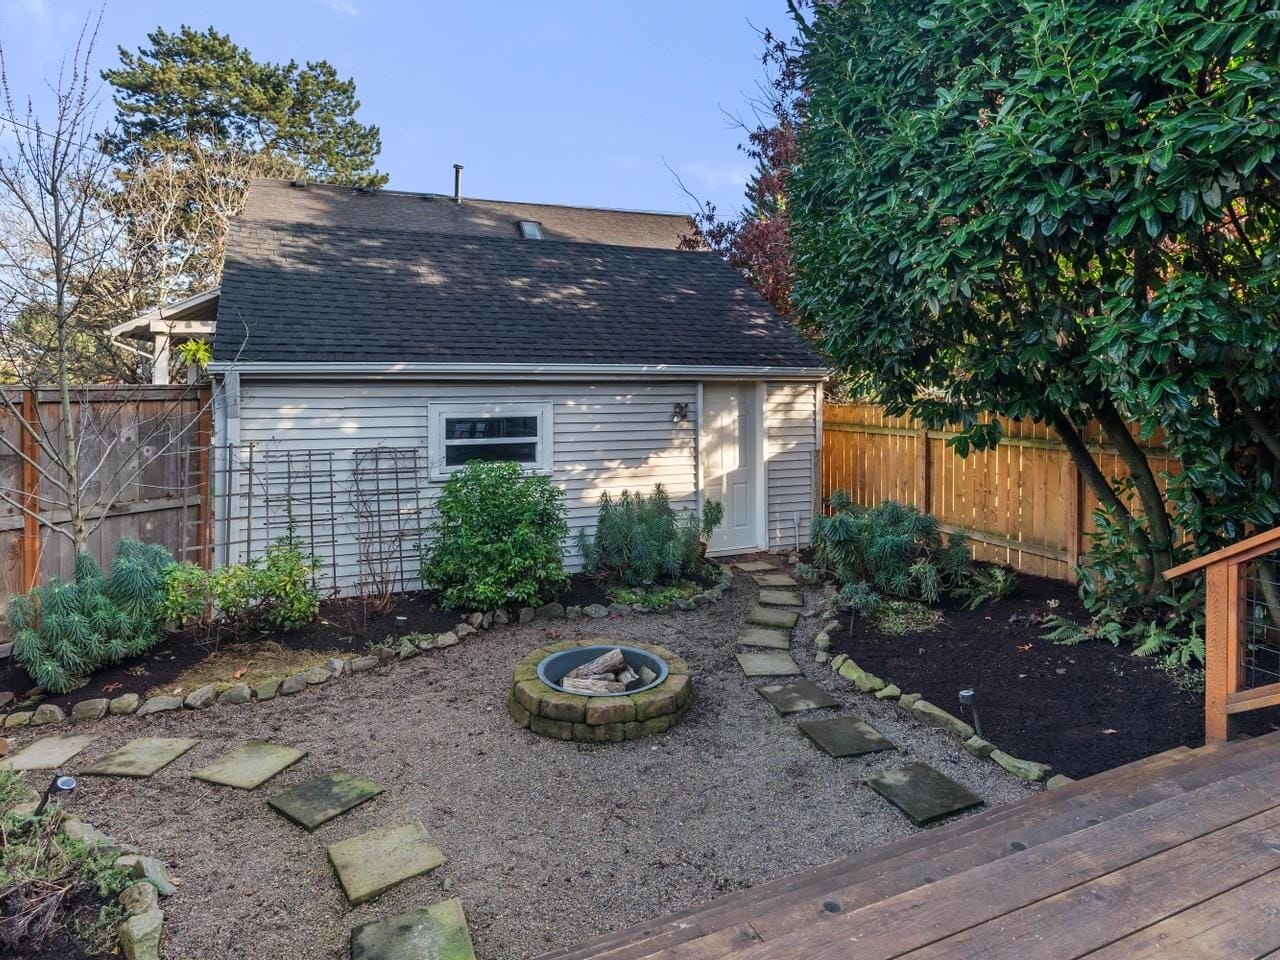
pixel 548 842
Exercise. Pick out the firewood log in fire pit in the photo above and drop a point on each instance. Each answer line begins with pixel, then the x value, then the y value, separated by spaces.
pixel 606 663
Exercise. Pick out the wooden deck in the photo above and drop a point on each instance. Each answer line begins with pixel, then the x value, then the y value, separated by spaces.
pixel 1176 856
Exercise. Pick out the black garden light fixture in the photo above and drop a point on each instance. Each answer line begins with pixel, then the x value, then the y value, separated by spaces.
pixel 59 784
pixel 679 412
pixel 970 699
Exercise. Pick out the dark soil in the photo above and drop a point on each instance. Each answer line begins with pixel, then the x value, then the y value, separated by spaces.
pixel 1083 709
pixel 346 626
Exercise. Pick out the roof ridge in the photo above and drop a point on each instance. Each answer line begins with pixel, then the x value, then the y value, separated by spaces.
pixel 432 195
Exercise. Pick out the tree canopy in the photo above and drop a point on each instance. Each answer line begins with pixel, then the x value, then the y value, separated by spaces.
pixel 1058 211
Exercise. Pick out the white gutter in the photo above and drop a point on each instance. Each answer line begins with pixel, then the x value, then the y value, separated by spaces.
pixel 524 371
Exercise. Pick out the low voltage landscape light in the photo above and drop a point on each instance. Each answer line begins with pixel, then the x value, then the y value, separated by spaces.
pixel 969 699
pixel 59 784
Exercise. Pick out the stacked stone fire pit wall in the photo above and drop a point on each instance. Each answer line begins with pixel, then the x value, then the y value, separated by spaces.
pixel 567 716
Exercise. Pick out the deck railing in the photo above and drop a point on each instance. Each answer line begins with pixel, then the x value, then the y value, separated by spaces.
pixel 1241 631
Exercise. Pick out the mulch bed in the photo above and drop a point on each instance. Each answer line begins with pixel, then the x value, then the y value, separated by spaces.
pixel 344 626
pixel 1083 708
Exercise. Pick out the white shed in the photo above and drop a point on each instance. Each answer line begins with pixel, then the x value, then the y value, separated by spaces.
pixel 370 343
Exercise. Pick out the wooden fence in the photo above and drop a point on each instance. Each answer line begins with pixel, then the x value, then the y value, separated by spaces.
pixel 1023 503
pixel 144 453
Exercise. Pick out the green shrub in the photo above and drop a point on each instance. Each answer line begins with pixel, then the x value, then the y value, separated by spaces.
pixel 985 585
pixel 276 590
pixel 656 598
pixel 64 631
pixel 891 550
pixel 498 539
pixel 640 539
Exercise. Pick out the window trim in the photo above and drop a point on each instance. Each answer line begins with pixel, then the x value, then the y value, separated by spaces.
pixel 483 410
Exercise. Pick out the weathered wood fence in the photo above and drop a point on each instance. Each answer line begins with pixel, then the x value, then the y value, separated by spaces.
pixel 1023 503
pixel 144 453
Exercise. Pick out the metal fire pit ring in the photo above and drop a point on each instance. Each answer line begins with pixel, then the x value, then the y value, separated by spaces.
pixel 552 669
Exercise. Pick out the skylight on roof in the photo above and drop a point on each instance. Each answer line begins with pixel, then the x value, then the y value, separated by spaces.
pixel 530 229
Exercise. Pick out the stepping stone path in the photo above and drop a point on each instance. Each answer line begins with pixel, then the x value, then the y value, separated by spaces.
pixel 317 801
pixel 370 864
pixel 250 766
pixel 919 791
pixel 922 793
pixel 47 753
pixel 768 617
pixel 763 637
pixel 437 932
pixel 768 663
pixel 845 737
pixel 797 697
pixel 142 757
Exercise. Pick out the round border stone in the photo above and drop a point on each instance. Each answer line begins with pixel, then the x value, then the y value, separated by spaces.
pixel 567 716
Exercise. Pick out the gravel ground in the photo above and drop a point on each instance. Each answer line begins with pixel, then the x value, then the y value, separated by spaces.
pixel 549 843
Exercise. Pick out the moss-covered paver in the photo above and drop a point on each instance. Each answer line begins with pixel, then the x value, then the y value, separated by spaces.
pixel 775 580
pixel 764 637
pixel 250 765
pixel 370 864
pixel 317 801
pixel 774 619
pixel 143 757
pixel 47 753
pixel 845 737
pixel 768 663
pixel 922 793
pixel 797 697
pixel 437 932
pixel 781 598
pixel 755 566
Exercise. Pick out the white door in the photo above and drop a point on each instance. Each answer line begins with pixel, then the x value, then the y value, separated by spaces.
pixel 730 447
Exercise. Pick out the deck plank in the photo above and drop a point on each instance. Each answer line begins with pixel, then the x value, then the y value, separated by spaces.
pixel 1241 924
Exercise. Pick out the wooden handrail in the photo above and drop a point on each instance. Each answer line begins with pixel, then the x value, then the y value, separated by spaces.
pixel 1241 552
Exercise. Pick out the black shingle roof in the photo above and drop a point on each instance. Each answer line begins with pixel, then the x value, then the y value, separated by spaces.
pixel 306 292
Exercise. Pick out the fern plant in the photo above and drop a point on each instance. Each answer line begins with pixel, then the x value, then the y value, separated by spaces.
pixel 640 539
pixel 890 550
pixel 66 630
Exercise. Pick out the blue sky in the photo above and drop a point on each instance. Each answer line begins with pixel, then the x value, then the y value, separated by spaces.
pixel 569 101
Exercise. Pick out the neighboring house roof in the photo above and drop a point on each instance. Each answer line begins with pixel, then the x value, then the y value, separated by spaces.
pixel 192 316
pixel 326 281
pixel 279 201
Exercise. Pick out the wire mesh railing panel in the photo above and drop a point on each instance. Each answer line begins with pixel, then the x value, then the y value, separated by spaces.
pixel 1260 593
pixel 386 499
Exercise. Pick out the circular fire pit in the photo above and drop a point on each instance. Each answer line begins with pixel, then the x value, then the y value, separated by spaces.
pixel 539 701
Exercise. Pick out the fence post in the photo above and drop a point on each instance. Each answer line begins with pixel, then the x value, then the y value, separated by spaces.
pixel 1070 479
pixel 30 482
pixel 1221 644
pixel 924 475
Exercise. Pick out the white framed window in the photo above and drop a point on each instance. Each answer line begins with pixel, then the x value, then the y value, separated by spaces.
pixel 462 432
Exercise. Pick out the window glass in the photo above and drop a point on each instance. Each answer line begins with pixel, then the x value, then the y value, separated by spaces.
pixel 489 428
pixel 456 454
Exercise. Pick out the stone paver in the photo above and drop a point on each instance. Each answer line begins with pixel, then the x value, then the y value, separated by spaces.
pixel 781 598
pixel 768 663
pixel 845 737
pixel 922 793
pixel 372 863
pixel 764 637
pixel 142 757
pixel 437 932
pixel 755 566
pixel 47 753
pixel 775 580
pixel 768 617
pixel 797 697
pixel 317 801
pixel 250 765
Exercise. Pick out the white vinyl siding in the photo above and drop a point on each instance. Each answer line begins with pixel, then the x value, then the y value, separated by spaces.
pixel 791 449
pixel 612 437
pixel 311 435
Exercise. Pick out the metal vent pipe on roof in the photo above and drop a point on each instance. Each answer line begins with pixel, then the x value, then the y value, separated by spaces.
pixel 457 183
